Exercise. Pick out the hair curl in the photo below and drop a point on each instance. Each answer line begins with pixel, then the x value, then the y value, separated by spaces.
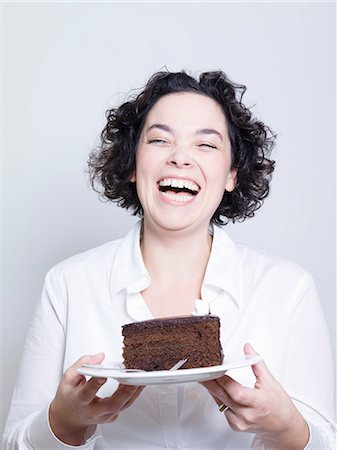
pixel 112 164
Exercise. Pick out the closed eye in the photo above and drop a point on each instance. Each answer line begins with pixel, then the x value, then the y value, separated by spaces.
pixel 207 146
pixel 157 141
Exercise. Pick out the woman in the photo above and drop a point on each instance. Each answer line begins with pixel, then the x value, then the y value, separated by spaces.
pixel 187 156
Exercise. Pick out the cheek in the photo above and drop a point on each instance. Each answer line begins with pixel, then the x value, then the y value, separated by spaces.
pixel 220 179
pixel 220 173
pixel 148 164
pixel 144 159
pixel 145 173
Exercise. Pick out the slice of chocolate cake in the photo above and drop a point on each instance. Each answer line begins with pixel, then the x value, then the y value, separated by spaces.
pixel 159 343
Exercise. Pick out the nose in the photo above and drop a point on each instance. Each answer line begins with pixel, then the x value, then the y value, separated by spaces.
pixel 180 157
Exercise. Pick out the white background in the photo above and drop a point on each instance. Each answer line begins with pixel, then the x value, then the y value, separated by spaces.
pixel 64 64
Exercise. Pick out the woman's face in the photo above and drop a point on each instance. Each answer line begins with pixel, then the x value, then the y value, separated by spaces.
pixel 183 162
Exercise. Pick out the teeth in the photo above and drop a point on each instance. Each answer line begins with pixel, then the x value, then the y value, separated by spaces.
pixel 166 182
pixel 176 182
pixel 190 185
pixel 177 198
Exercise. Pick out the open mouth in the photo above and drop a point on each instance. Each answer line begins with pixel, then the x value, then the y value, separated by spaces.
pixel 177 189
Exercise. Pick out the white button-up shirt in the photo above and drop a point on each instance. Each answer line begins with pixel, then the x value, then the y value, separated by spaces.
pixel 266 301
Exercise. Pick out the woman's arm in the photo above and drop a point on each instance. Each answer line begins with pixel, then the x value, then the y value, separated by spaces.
pixel 309 376
pixel 51 409
pixel 41 366
pixel 265 409
pixel 297 415
pixel 76 409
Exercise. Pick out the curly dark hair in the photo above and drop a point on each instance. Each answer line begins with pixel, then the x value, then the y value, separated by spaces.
pixel 112 164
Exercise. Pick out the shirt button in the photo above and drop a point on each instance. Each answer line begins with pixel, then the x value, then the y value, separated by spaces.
pixel 194 395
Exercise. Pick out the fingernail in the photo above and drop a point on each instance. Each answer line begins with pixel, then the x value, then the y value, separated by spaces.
pixel 101 380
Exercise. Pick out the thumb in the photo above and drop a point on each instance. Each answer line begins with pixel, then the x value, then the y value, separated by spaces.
pixel 249 350
pixel 260 369
pixel 71 373
pixel 91 359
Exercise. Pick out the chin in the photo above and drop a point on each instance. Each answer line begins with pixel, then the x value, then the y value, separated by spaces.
pixel 178 224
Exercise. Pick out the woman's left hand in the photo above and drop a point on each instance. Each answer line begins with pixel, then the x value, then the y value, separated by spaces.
pixel 266 409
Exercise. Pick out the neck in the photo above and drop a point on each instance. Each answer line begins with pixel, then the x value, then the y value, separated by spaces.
pixel 174 256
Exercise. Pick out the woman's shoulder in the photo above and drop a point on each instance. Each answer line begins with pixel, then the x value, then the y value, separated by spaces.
pixel 259 256
pixel 259 262
pixel 93 259
pixel 263 263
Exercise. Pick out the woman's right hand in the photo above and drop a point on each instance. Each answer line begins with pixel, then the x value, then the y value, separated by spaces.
pixel 76 406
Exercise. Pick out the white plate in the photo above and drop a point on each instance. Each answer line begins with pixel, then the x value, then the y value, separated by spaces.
pixel 143 378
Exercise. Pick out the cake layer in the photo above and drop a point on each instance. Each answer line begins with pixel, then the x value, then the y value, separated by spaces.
pixel 158 344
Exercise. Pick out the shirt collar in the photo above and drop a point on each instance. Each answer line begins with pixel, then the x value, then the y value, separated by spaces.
pixel 128 269
pixel 224 268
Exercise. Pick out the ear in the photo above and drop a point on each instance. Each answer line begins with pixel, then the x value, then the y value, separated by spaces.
pixel 133 177
pixel 231 179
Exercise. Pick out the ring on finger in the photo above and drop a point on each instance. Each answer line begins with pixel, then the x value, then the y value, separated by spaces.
pixel 223 407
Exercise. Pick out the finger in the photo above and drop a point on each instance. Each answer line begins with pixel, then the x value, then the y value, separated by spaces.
pixel 229 410
pixel 213 388
pixel 219 394
pixel 224 404
pixel 217 401
pixel 235 421
pixel 133 398
pixel 119 398
pixel 260 369
pixel 72 376
pixel 88 391
pixel 107 418
pixel 238 394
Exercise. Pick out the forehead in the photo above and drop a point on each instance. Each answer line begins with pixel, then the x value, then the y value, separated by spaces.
pixel 188 110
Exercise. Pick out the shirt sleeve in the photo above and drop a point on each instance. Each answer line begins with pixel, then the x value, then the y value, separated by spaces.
pixel 40 372
pixel 309 374
pixel 318 439
pixel 40 435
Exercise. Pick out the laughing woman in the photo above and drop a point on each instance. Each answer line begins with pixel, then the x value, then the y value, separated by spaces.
pixel 187 157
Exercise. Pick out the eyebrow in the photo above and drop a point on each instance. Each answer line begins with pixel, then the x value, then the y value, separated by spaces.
pixel 163 127
pixel 209 131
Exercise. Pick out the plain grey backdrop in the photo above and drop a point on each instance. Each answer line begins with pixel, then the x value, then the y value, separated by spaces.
pixel 64 64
